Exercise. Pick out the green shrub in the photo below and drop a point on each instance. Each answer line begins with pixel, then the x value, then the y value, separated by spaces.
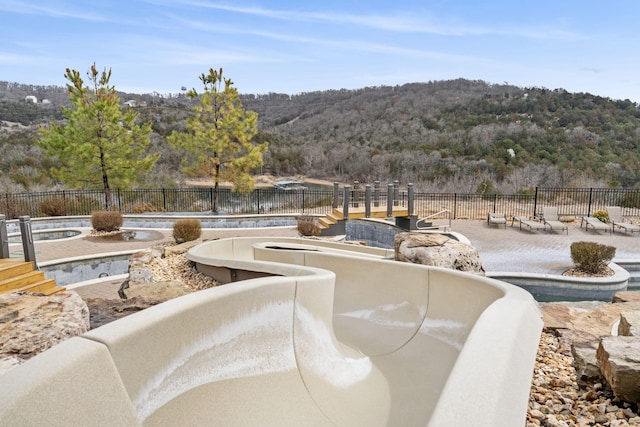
pixel 54 207
pixel 186 230
pixel 591 257
pixel 601 215
pixel 106 220
pixel 307 226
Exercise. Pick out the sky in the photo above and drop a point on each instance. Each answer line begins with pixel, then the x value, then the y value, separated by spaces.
pixel 302 46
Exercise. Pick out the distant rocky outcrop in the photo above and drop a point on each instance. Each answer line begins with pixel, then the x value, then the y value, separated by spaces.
pixel 437 250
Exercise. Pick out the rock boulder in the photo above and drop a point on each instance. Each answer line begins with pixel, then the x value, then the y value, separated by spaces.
pixel 619 362
pixel 437 250
pixel 32 323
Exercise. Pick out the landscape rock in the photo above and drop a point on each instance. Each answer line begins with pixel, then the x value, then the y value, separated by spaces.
pixel 626 296
pixel 32 323
pixel 103 311
pixel 157 292
pixel 629 324
pixel 584 322
pixel 437 250
pixel 586 363
pixel 619 362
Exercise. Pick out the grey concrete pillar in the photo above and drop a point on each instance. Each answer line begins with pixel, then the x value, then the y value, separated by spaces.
pixel 4 238
pixel 345 207
pixel 336 195
pixel 389 200
pixel 27 239
pixel 356 194
pixel 367 201
pixel 376 193
pixel 396 192
pixel 410 198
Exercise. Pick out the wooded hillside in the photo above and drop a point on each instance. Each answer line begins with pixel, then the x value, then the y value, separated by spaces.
pixel 458 135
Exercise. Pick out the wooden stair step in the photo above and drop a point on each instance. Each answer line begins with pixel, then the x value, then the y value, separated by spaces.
pixel 46 286
pixel 326 222
pixel 333 217
pixel 18 281
pixel 9 269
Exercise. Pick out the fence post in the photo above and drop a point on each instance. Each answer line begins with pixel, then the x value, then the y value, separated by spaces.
pixel 258 197
pixel 389 200
pixel 345 207
pixel 164 199
pixel 455 205
pixel 336 195
pixel 589 205
pixel 4 238
pixel 535 203
pixel 27 239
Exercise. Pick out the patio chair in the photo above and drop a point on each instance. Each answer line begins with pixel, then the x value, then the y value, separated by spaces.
pixel 617 220
pixel 595 224
pixel 530 224
pixel 497 219
pixel 552 220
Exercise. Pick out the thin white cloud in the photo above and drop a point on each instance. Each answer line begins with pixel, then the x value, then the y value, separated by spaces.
pixel 399 23
pixel 14 58
pixel 54 10
pixel 353 45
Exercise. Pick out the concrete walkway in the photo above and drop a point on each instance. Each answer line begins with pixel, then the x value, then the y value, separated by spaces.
pixel 501 249
pixel 515 250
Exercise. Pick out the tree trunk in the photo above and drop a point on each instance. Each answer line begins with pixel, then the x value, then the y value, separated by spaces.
pixel 216 185
pixel 105 184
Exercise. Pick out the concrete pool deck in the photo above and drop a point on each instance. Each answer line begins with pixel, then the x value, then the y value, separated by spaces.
pixel 501 249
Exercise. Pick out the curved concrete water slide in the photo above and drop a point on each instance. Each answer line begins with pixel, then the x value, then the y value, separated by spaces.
pixel 311 333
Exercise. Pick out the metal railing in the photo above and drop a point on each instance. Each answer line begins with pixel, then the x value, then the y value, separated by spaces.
pixel 570 201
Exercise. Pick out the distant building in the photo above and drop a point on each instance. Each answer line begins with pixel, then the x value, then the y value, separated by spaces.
pixel 31 98
pixel 131 103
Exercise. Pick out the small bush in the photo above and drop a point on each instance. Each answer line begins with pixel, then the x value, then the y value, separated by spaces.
pixel 307 226
pixel 53 207
pixel 186 230
pixel 13 208
pixel 106 220
pixel 142 207
pixel 591 257
pixel 601 215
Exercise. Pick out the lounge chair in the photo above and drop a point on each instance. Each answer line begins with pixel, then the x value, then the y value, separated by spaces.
pixel 497 219
pixel 552 220
pixel 617 220
pixel 530 224
pixel 595 224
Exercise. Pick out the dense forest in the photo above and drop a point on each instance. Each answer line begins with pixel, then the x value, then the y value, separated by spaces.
pixel 457 135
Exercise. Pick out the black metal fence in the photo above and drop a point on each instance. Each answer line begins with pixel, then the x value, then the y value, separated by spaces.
pixel 570 202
